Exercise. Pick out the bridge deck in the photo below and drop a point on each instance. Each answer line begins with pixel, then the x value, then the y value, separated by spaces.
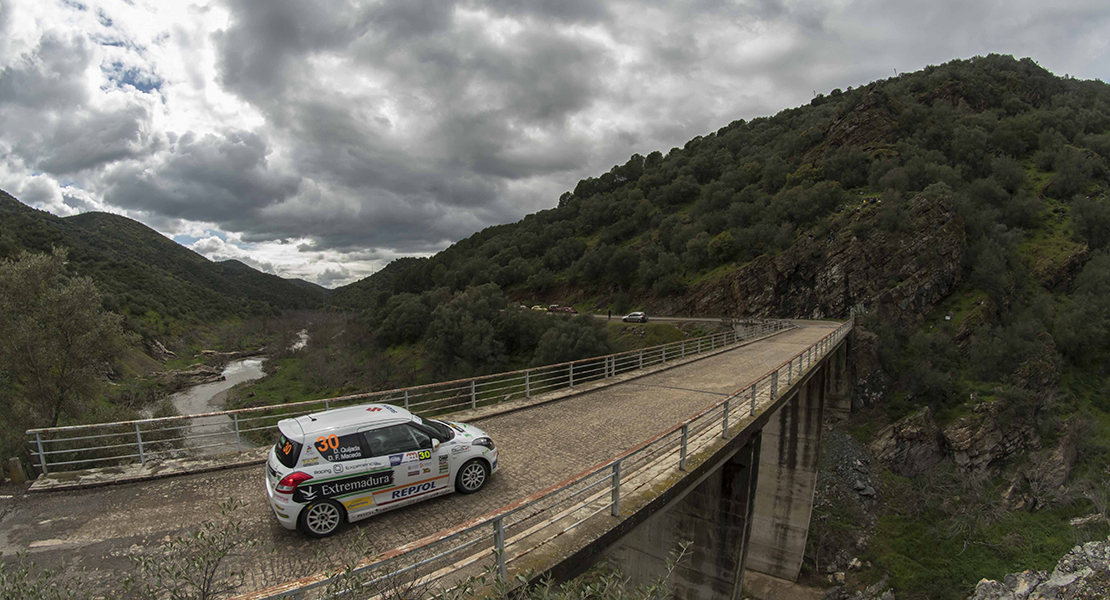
pixel 98 528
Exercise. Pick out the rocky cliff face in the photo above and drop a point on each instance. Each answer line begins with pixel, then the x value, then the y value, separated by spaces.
pixel 903 273
pixel 915 443
pixel 1083 573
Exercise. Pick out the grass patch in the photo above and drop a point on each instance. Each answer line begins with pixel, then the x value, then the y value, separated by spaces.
pixel 715 274
pixel 626 336
pixel 959 305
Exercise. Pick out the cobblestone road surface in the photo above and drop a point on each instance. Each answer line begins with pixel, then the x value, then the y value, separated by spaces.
pixel 98 529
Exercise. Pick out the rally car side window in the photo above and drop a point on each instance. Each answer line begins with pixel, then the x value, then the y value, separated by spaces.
pixel 337 448
pixel 391 440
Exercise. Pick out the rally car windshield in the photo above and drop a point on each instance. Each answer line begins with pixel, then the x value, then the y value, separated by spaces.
pixel 443 432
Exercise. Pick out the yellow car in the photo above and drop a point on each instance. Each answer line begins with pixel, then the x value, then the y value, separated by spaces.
pixel 538 307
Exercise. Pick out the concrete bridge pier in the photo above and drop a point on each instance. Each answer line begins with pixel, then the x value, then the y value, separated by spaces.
pixel 715 515
pixel 788 476
pixel 838 400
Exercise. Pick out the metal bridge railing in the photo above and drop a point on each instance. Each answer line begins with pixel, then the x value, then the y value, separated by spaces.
pixel 142 441
pixel 499 540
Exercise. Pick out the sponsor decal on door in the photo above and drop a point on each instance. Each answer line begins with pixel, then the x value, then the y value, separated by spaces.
pixel 342 486
pixel 404 492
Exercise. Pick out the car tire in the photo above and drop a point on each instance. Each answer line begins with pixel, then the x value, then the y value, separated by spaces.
pixel 472 476
pixel 321 518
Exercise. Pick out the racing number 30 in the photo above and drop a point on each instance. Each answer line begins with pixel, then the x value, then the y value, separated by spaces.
pixel 323 443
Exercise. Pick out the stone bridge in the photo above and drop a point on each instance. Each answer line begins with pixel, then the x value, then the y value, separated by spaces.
pixel 743 499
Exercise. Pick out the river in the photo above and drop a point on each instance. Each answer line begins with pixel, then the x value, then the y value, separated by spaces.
pixel 209 397
pixel 216 434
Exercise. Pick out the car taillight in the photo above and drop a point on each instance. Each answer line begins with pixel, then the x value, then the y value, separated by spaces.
pixel 291 481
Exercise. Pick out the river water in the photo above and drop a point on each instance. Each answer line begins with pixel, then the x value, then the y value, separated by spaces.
pixel 216 435
pixel 209 397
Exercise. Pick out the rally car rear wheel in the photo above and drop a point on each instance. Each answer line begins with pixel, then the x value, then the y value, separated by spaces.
pixel 321 518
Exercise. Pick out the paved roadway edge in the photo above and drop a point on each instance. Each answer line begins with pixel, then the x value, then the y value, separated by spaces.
pixel 94 478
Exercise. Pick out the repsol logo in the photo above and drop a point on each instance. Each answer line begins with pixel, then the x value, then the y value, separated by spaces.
pixel 413 490
pixel 340 487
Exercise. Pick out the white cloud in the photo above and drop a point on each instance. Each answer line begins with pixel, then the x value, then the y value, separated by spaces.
pixel 321 140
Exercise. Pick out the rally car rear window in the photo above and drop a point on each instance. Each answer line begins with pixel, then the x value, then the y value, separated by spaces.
pixel 287 451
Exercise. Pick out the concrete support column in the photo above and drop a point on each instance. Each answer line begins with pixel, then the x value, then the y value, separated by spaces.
pixel 838 400
pixel 715 516
pixel 787 479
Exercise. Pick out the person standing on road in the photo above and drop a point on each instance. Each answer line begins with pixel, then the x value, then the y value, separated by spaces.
pixel 610 315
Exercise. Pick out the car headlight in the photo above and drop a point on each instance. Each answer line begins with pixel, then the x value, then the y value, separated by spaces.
pixel 483 441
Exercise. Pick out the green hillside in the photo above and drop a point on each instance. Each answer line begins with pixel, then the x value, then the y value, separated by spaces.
pixel 661 225
pixel 961 210
pixel 162 286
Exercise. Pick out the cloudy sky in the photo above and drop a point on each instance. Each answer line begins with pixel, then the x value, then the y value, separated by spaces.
pixel 320 139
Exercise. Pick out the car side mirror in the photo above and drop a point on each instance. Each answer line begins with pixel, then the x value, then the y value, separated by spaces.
pixel 435 444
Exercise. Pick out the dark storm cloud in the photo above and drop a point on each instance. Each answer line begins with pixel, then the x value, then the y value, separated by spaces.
pixel 566 11
pixel 48 77
pixel 210 178
pixel 264 50
pixel 428 154
pixel 48 118
pixel 91 138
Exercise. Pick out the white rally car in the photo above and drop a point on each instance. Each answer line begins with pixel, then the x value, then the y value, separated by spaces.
pixel 350 463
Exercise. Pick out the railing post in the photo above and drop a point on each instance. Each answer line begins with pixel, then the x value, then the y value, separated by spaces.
pixel 327 404
pixel 571 374
pixel 235 421
pixel 789 372
pixel 682 453
pixel 473 394
pixel 774 384
pixel 528 383
pixel 683 348
pixel 724 420
pixel 712 342
pixel 753 400
pixel 139 436
pixel 664 355
pixel 42 455
pixel 641 359
pixel 499 548
pixel 406 399
pixel 616 510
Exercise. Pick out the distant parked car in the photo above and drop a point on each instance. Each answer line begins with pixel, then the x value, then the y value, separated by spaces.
pixel 569 309
pixel 635 317
pixel 538 307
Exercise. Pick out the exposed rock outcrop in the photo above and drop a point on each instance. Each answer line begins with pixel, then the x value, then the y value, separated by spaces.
pixel 871 383
pixel 915 443
pixel 158 351
pixel 976 440
pixel 1083 573
pixel 903 274
pixel 194 375
pixel 910 446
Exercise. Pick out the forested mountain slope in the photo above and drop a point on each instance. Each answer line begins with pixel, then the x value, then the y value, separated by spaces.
pixel 663 227
pixel 157 282
pixel 961 209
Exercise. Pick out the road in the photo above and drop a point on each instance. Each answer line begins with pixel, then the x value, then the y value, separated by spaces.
pixel 98 529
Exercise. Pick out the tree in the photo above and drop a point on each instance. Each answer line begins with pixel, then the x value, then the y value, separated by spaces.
pixel 571 339
pixel 55 338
